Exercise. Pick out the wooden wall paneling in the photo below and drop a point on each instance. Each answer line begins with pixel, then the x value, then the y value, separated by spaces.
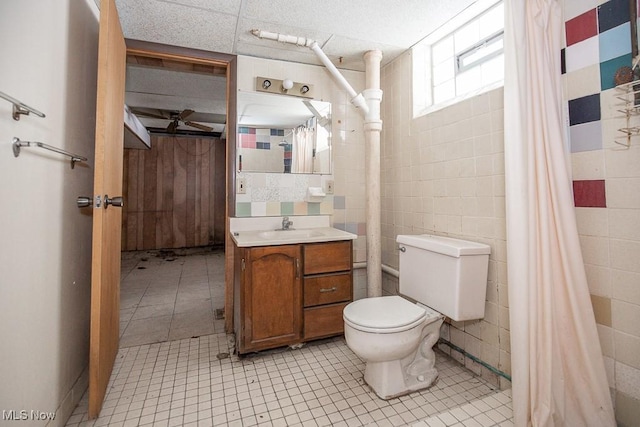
pixel 167 237
pixel 149 209
pixel 205 183
pixel 132 206
pixel 189 146
pixel 219 191
pixel 125 197
pixel 159 148
pixel 179 195
pixel 140 200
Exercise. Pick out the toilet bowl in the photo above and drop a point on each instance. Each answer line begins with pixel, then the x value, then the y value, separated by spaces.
pixel 394 338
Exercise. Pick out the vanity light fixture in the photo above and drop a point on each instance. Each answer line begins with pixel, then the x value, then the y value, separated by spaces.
pixel 284 87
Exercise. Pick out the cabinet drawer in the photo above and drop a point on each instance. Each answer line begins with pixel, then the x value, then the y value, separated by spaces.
pixel 327 257
pixel 323 321
pixel 327 289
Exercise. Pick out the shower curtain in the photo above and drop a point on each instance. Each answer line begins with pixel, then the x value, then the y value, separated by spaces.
pixel 302 148
pixel 556 361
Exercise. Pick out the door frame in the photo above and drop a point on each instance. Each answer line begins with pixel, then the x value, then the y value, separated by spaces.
pixel 197 56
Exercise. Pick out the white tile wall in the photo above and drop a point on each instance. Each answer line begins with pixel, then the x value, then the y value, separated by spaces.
pixel 443 173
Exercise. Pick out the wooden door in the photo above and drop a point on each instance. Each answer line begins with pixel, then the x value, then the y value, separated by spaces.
pixel 105 274
pixel 273 297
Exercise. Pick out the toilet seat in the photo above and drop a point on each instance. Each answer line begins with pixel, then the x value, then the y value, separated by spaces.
pixel 384 315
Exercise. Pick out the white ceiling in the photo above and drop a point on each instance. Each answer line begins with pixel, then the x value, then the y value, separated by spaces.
pixel 345 29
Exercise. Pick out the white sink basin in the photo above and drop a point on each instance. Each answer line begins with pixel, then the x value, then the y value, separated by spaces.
pixel 289 234
pixel 269 237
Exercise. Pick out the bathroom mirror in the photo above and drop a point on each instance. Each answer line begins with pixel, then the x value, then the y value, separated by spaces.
pixel 283 134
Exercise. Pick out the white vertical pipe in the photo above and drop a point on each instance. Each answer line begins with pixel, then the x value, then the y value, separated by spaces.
pixel 372 128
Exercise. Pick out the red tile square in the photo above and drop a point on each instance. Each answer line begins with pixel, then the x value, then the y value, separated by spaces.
pixel 589 194
pixel 581 27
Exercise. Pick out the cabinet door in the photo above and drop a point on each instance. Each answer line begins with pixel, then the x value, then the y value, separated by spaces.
pixel 273 297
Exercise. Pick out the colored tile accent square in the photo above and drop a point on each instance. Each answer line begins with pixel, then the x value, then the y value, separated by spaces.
pixel 615 42
pixel 313 208
pixel 286 208
pixel 582 54
pixel 608 70
pixel 273 208
pixel 339 202
pixel 584 110
pixel 581 27
pixel 583 82
pixel 586 137
pixel 300 208
pixel 259 209
pixel 563 61
pixel 362 229
pixel 243 130
pixel 589 194
pixel 351 227
pixel 612 13
pixel 243 209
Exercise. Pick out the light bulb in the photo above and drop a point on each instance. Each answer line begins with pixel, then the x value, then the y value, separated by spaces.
pixel 287 84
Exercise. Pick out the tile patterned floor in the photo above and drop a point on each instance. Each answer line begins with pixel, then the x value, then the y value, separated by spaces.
pixel 199 381
pixel 170 295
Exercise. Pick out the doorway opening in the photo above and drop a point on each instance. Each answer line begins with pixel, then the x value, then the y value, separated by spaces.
pixel 174 222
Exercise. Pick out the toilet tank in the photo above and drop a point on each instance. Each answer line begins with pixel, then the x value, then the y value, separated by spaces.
pixel 446 274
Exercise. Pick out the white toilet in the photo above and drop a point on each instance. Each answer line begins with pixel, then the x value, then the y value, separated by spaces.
pixel 394 336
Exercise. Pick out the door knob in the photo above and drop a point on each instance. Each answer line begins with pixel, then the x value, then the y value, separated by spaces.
pixel 84 201
pixel 117 201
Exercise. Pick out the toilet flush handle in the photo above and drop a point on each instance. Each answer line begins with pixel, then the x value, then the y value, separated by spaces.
pixel 402 249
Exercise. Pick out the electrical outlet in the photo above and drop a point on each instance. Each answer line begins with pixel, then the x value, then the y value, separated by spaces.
pixel 241 185
pixel 329 189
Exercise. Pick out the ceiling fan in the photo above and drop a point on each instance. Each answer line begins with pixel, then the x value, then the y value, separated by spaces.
pixel 175 117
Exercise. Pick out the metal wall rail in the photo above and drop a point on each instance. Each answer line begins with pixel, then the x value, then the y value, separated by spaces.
pixel 20 107
pixel 17 144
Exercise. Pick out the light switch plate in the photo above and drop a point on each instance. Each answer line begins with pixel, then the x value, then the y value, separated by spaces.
pixel 329 189
pixel 241 186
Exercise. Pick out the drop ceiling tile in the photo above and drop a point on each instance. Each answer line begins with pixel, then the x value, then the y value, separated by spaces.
pixel 178 25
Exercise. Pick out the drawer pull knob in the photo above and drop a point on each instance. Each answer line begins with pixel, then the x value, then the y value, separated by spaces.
pixel 333 289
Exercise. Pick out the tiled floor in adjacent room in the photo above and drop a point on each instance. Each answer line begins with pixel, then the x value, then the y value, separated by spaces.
pixel 196 380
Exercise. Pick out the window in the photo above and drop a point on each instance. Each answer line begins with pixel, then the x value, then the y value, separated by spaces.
pixel 463 58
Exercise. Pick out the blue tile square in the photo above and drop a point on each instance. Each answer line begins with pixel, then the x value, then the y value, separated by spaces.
pixel 612 13
pixel 584 110
pixel 339 202
pixel 608 70
pixel 615 42
pixel 313 208
pixel 586 137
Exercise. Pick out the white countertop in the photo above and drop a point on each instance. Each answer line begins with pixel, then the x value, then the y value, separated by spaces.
pixel 265 231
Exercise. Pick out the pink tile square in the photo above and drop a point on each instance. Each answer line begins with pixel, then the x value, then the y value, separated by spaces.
pixel 589 194
pixel 581 27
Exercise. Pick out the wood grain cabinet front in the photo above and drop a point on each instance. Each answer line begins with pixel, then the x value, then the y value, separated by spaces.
pixel 285 295
pixel 270 298
pixel 328 287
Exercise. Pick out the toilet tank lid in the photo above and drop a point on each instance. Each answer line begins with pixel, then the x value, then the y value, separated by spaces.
pixel 444 245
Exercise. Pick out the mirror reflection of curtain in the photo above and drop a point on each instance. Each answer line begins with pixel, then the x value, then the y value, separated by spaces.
pixel 302 150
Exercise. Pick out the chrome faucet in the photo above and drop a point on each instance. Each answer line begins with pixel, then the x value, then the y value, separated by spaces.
pixel 286 223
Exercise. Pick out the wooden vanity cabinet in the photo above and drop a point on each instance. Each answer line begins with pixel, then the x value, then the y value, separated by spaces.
pixel 270 296
pixel 328 287
pixel 289 294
